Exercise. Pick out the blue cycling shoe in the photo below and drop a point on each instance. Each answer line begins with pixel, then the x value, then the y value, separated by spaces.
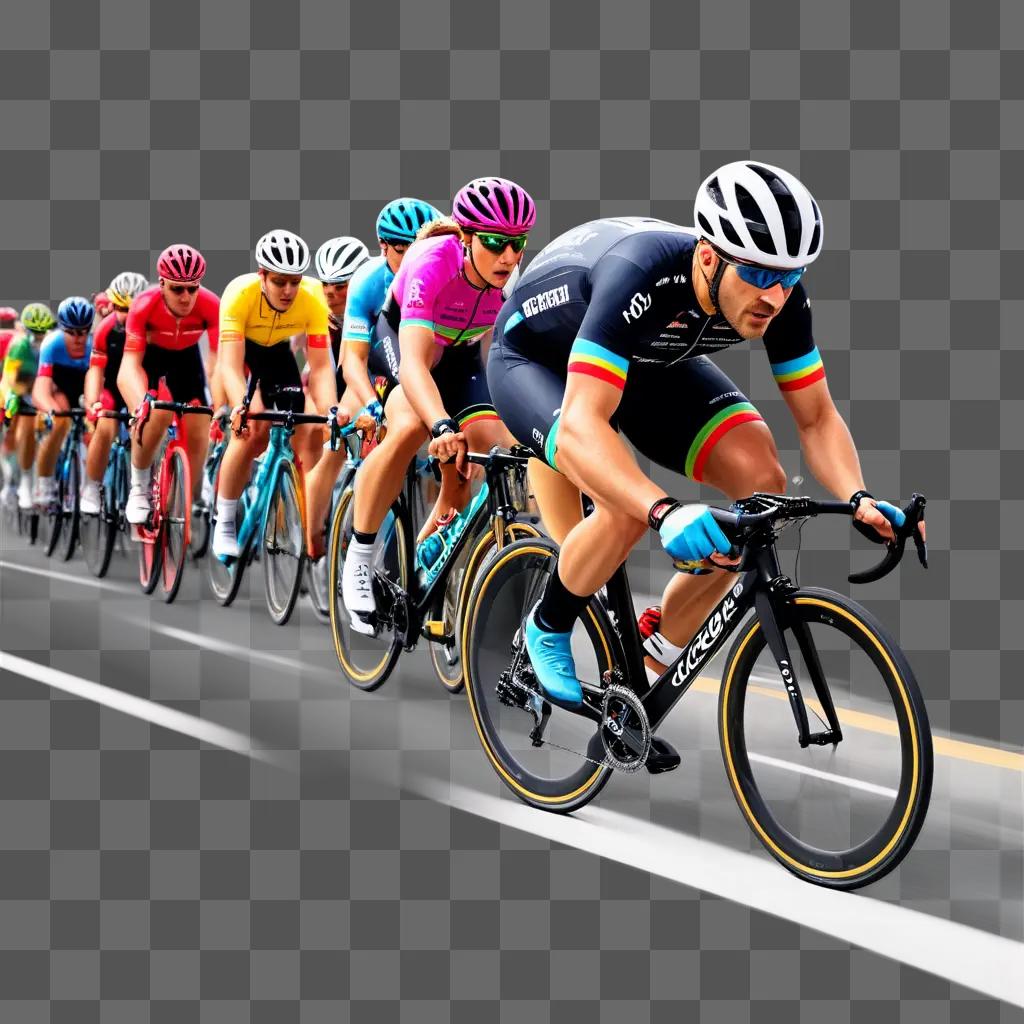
pixel 551 657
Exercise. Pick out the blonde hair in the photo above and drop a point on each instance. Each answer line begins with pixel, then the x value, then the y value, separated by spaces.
pixel 439 226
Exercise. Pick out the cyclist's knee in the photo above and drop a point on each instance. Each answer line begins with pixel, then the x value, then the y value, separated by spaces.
pixel 620 529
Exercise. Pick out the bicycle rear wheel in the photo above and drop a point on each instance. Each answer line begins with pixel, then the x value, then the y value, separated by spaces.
pixel 366 661
pixel 175 501
pixel 449 606
pixel 841 815
pixel 284 543
pixel 565 769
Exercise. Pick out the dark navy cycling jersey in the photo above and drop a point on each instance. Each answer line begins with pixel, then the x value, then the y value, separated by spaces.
pixel 615 293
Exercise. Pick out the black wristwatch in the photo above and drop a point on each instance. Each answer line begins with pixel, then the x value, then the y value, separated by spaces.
pixel 445 426
pixel 661 508
pixel 855 498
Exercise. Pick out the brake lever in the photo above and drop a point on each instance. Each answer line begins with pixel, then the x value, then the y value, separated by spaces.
pixel 913 515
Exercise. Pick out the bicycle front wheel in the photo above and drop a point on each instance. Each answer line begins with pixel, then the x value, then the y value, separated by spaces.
pixel 845 814
pixel 69 502
pixel 563 768
pixel 284 543
pixel 366 661
pixel 449 607
pixel 175 497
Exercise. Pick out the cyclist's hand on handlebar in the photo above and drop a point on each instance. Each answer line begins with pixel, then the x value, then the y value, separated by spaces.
pixel 689 533
pixel 876 519
pixel 141 415
pixel 451 445
pixel 238 426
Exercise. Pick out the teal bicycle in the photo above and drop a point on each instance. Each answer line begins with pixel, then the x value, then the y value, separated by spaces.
pixel 272 521
pixel 99 532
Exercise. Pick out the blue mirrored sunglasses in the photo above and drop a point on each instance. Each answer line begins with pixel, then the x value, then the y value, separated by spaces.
pixel 765 277
pixel 762 277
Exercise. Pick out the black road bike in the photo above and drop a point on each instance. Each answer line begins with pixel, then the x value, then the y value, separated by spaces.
pixel 838 803
pixel 413 602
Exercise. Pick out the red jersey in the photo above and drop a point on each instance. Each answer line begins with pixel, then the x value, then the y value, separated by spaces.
pixel 5 341
pixel 99 341
pixel 149 320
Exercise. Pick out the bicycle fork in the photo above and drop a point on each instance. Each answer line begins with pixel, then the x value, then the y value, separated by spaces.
pixel 773 614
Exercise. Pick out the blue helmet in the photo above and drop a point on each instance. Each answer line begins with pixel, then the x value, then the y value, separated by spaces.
pixel 402 218
pixel 75 312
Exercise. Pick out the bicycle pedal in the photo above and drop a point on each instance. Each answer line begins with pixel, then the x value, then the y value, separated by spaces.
pixel 433 629
pixel 663 757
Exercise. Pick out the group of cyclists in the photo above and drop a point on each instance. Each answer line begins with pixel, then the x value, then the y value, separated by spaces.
pixel 438 340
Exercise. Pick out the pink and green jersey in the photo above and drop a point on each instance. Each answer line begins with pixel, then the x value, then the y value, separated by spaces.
pixel 431 291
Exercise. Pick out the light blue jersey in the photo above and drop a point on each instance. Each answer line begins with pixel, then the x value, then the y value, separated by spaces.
pixel 366 292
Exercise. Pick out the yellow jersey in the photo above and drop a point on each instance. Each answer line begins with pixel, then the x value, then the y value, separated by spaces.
pixel 246 314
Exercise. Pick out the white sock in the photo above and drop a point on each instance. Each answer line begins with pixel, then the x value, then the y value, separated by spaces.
pixel 141 477
pixel 45 481
pixel 226 509
pixel 662 650
pixel 360 552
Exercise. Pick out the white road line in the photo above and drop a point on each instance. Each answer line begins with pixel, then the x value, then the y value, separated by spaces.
pixel 82 581
pixel 137 707
pixel 292 665
pixel 968 956
pixel 842 780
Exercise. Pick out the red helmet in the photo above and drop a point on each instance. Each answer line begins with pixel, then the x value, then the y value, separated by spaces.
pixel 181 263
pixel 8 313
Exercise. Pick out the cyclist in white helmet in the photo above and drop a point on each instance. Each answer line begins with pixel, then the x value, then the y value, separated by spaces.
pixel 610 330
pixel 335 262
pixel 259 314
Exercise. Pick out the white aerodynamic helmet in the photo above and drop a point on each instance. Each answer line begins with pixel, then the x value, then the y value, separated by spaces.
pixel 339 258
pixel 282 252
pixel 760 214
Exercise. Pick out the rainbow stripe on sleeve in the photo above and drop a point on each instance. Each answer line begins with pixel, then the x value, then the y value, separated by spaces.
pixel 595 361
pixel 794 374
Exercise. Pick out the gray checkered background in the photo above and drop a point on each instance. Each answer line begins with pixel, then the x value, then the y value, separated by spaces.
pixel 145 877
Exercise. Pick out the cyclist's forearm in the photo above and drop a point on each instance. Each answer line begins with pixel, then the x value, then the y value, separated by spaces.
pixel 421 390
pixel 132 381
pixel 323 388
pixel 831 455
pixel 593 456
pixel 93 385
pixel 355 361
pixel 232 379
pixel 42 395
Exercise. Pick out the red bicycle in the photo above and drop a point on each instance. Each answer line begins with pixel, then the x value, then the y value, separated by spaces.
pixel 164 539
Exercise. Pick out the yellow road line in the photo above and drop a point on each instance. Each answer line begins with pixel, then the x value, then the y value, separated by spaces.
pixel 977 753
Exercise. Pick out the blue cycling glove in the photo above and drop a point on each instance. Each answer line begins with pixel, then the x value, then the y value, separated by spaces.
pixel 689 533
pixel 890 511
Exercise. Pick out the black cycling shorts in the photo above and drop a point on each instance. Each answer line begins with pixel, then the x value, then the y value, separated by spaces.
pixel 274 370
pixel 672 415
pixel 69 381
pixel 183 369
pixel 460 376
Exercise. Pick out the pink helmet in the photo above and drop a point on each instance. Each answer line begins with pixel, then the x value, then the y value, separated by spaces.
pixel 181 263
pixel 494 204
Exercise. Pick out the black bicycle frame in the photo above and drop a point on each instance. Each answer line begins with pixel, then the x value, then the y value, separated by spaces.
pixel 500 506
pixel 761 585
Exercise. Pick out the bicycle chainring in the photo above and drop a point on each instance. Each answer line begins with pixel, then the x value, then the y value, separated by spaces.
pixel 625 729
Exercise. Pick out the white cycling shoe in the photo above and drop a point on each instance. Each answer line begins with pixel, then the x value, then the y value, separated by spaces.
pixel 25 493
pixel 138 507
pixel 89 502
pixel 225 540
pixel 357 586
pixel 46 491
